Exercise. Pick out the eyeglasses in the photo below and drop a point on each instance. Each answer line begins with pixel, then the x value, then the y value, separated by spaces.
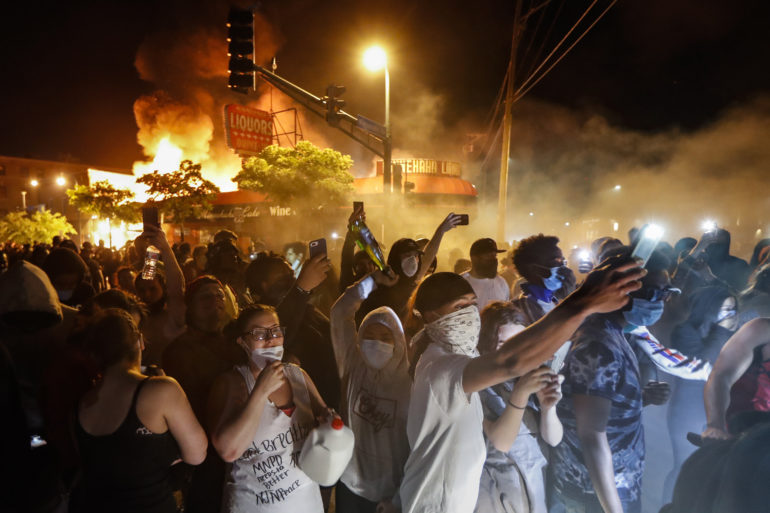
pixel 261 334
pixel 656 294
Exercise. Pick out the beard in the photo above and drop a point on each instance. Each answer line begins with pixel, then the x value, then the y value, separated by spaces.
pixel 487 269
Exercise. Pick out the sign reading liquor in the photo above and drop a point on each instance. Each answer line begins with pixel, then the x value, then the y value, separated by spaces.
pixel 248 130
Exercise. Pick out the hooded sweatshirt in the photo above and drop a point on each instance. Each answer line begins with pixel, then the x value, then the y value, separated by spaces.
pixel 374 402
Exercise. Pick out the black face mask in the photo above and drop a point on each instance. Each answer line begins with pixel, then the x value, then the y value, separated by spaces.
pixel 486 269
pixel 276 292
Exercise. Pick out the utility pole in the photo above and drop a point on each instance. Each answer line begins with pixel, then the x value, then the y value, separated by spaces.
pixel 503 192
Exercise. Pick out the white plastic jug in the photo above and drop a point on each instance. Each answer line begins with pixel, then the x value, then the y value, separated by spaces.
pixel 327 452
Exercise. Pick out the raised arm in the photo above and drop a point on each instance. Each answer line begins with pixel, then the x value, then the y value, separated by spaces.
pixel 605 290
pixel 174 278
pixel 734 359
pixel 431 250
pixel 343 315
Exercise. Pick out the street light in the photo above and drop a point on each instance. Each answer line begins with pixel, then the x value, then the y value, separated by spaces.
pixel 61 181
pixel 376 59
pixel 34 182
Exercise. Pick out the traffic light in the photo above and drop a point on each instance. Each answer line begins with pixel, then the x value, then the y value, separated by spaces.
pixel 398 177
pixel 240 36
pixel 333 103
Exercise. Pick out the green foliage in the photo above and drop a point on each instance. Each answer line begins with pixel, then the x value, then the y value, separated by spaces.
pixel 105 201
pixel 41 226
pixel 304 177
pixel 183 193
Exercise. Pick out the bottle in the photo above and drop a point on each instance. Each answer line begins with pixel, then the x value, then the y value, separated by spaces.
pixel 327 452
pixel 150 263
pixel 366 242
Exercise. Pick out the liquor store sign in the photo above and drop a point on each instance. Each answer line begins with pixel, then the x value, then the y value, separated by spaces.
pixel 248 130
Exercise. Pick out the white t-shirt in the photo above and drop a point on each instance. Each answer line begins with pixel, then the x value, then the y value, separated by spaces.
pixel 445 434
pixel 488 289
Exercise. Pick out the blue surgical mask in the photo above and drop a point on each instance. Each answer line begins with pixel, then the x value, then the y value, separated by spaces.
pixel 643 312
pixel 554 281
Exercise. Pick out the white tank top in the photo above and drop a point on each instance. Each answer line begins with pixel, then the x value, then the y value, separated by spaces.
pixel 266 477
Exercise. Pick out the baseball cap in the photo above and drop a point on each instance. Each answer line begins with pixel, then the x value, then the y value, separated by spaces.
pixel 482 246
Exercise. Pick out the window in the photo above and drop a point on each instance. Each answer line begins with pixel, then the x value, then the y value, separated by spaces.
pixel 2 169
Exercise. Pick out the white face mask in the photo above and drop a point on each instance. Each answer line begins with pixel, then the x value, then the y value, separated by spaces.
pixel 459 331
pixel 409 265
pixel 376 353
pixel 264 355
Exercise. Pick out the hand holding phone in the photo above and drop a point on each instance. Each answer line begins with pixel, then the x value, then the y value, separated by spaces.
pixel 150 217
pixel 317 247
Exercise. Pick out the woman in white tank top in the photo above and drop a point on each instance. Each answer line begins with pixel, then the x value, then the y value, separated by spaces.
pixel 260 413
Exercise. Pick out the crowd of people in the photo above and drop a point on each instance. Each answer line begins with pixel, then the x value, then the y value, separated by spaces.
pixel 518 387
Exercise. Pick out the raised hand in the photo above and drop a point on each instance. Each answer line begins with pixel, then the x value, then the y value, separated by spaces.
pixel 313 272
pixel 606 288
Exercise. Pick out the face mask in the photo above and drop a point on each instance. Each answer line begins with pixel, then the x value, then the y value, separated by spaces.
pixel 409 266
pixel 65 295
pixel 264 355
pixel 728 319
pixel 278 290
pixel 554 281
pixel 644 312
pixel 487 269
pixel 376 353
pixel 458 331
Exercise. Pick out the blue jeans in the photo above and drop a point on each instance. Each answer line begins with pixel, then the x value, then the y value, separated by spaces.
pixel 589 503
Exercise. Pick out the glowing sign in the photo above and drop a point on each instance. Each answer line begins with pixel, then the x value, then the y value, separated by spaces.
pixel 248 130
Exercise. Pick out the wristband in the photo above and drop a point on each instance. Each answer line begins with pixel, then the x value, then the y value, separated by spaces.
pixel 306 292
pixel 517 407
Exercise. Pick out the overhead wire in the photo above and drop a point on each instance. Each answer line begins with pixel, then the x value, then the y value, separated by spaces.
pixel 545 39
pixel 521 91
pixel 558 45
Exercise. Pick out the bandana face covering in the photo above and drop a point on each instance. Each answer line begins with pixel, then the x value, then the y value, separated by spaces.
pixel 457 331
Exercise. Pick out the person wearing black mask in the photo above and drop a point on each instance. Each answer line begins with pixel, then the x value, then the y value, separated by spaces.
pixel 730 269
pixel 410 264
pixel 487 284
pixel 67 273
pixel 712 321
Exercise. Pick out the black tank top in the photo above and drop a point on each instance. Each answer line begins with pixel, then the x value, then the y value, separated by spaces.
pixel 126 471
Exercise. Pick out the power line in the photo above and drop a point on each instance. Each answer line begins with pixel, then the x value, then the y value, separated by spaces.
pixel 520 93
pixel 556 48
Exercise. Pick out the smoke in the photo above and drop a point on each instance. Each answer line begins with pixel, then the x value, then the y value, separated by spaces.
pixel 189 66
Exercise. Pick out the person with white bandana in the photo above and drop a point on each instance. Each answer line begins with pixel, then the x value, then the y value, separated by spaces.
pixel 374 370
pixel 260 414
pixel 444 424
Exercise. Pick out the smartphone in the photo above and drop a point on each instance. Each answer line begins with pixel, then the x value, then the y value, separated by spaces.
pixel 150 217
pixel 358 204
pixel 648 241
pixel 464 219
pixel 558 358
pixel 317 247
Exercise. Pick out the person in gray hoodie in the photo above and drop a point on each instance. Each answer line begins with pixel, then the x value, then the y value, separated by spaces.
pixel 374 370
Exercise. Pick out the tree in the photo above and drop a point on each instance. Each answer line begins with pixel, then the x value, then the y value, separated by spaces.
pixel 182 193
pixel 305 177
pixel 41 226
pixel 105 201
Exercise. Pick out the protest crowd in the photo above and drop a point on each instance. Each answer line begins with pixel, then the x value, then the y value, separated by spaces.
pixel 516 383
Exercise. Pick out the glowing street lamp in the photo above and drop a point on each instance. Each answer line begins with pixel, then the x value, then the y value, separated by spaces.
pixel 618 187
pixel 375 59
pixel 34 182
pixel 61 181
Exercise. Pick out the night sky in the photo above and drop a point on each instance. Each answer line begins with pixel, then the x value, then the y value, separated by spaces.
pixel 69 80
